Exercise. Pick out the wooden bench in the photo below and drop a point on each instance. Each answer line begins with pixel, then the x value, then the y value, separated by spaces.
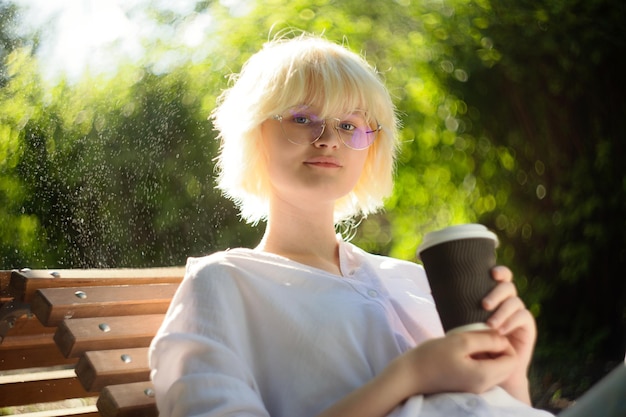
pixel 82 335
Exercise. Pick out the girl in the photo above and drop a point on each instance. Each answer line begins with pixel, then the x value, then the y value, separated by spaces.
pixel 306 323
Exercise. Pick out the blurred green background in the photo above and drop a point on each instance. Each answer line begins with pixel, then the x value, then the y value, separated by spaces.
pixel 513 116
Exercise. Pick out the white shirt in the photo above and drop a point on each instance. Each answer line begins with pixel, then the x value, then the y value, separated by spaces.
pixel 255 334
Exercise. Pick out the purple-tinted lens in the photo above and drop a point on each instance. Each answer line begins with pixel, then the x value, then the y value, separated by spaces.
pixel 361 138
pixel 302 126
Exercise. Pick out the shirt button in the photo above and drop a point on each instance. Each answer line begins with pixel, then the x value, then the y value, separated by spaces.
pixel 472 402
pixel 372 293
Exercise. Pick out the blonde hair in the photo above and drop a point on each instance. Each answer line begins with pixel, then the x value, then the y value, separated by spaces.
pixel 306 69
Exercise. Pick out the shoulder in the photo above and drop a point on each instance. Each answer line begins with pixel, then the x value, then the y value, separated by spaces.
pixel 238 267
pixel 217 271
pixel 224 261
pixel 214 283
pixel 393 269
pixel 383 262
pixel 213 262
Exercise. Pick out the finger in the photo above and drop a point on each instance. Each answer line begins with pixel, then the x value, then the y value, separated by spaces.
pixel 490 349
pixel 503 315
pixel 499 294
pixel 501 273
pixel 499 366
pixel 473 343
pixel 521 318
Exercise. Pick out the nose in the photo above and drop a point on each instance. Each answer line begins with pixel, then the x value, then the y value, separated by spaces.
pixel 330 138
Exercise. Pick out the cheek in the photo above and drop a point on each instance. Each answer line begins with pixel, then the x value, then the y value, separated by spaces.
pixel 278 157
pixel 358 174
pixel 268 145
pixel 359 163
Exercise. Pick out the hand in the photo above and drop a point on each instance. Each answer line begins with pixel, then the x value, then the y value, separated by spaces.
pixel 462 362
pixel 512 319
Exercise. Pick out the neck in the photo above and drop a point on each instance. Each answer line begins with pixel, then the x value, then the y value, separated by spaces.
pixel 307 238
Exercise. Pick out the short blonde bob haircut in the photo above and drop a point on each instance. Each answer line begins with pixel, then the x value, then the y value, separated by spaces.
pixel 303 70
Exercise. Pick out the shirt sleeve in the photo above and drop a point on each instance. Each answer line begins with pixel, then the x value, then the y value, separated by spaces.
pixel 199 358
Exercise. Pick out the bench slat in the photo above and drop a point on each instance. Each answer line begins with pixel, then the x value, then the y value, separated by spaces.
pixel 25 283
pixel 29 325
pixel 76 336
pixel 53 305
pixel 31 352
pixel 51 387
pixel 128 400
pixel 83 411
pixel 97 369
pixel 5 279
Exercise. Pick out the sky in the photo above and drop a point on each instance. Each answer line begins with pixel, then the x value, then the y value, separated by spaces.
pixel 97 34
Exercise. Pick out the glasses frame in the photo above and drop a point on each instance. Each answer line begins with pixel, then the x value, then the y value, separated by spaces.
pixel 279 118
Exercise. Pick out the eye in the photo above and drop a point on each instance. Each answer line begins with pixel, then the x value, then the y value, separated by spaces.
pixel 352 122
pixel 347 126
pixel 301 120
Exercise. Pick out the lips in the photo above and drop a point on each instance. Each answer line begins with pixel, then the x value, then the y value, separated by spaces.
pixel 323 161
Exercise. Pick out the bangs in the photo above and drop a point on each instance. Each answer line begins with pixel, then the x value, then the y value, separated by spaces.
pixel 330 83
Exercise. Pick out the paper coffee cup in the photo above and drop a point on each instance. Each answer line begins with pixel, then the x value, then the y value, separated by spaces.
pixel 458 261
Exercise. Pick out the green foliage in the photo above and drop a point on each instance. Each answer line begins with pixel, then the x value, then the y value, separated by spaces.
pixel 8 38
pixel 548 108
pixel 112 172
pixel 19 230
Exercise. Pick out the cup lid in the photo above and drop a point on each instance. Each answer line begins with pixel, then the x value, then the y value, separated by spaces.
pixel 456 232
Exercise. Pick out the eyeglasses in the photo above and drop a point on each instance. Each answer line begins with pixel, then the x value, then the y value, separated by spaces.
pixel 302 127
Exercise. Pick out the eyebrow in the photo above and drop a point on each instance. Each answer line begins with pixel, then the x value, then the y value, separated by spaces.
pixel 361 113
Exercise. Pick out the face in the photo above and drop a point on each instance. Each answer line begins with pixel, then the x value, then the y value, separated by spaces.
pixel 310 174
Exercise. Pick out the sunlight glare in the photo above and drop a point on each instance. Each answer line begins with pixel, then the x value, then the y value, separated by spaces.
pixel 94 36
